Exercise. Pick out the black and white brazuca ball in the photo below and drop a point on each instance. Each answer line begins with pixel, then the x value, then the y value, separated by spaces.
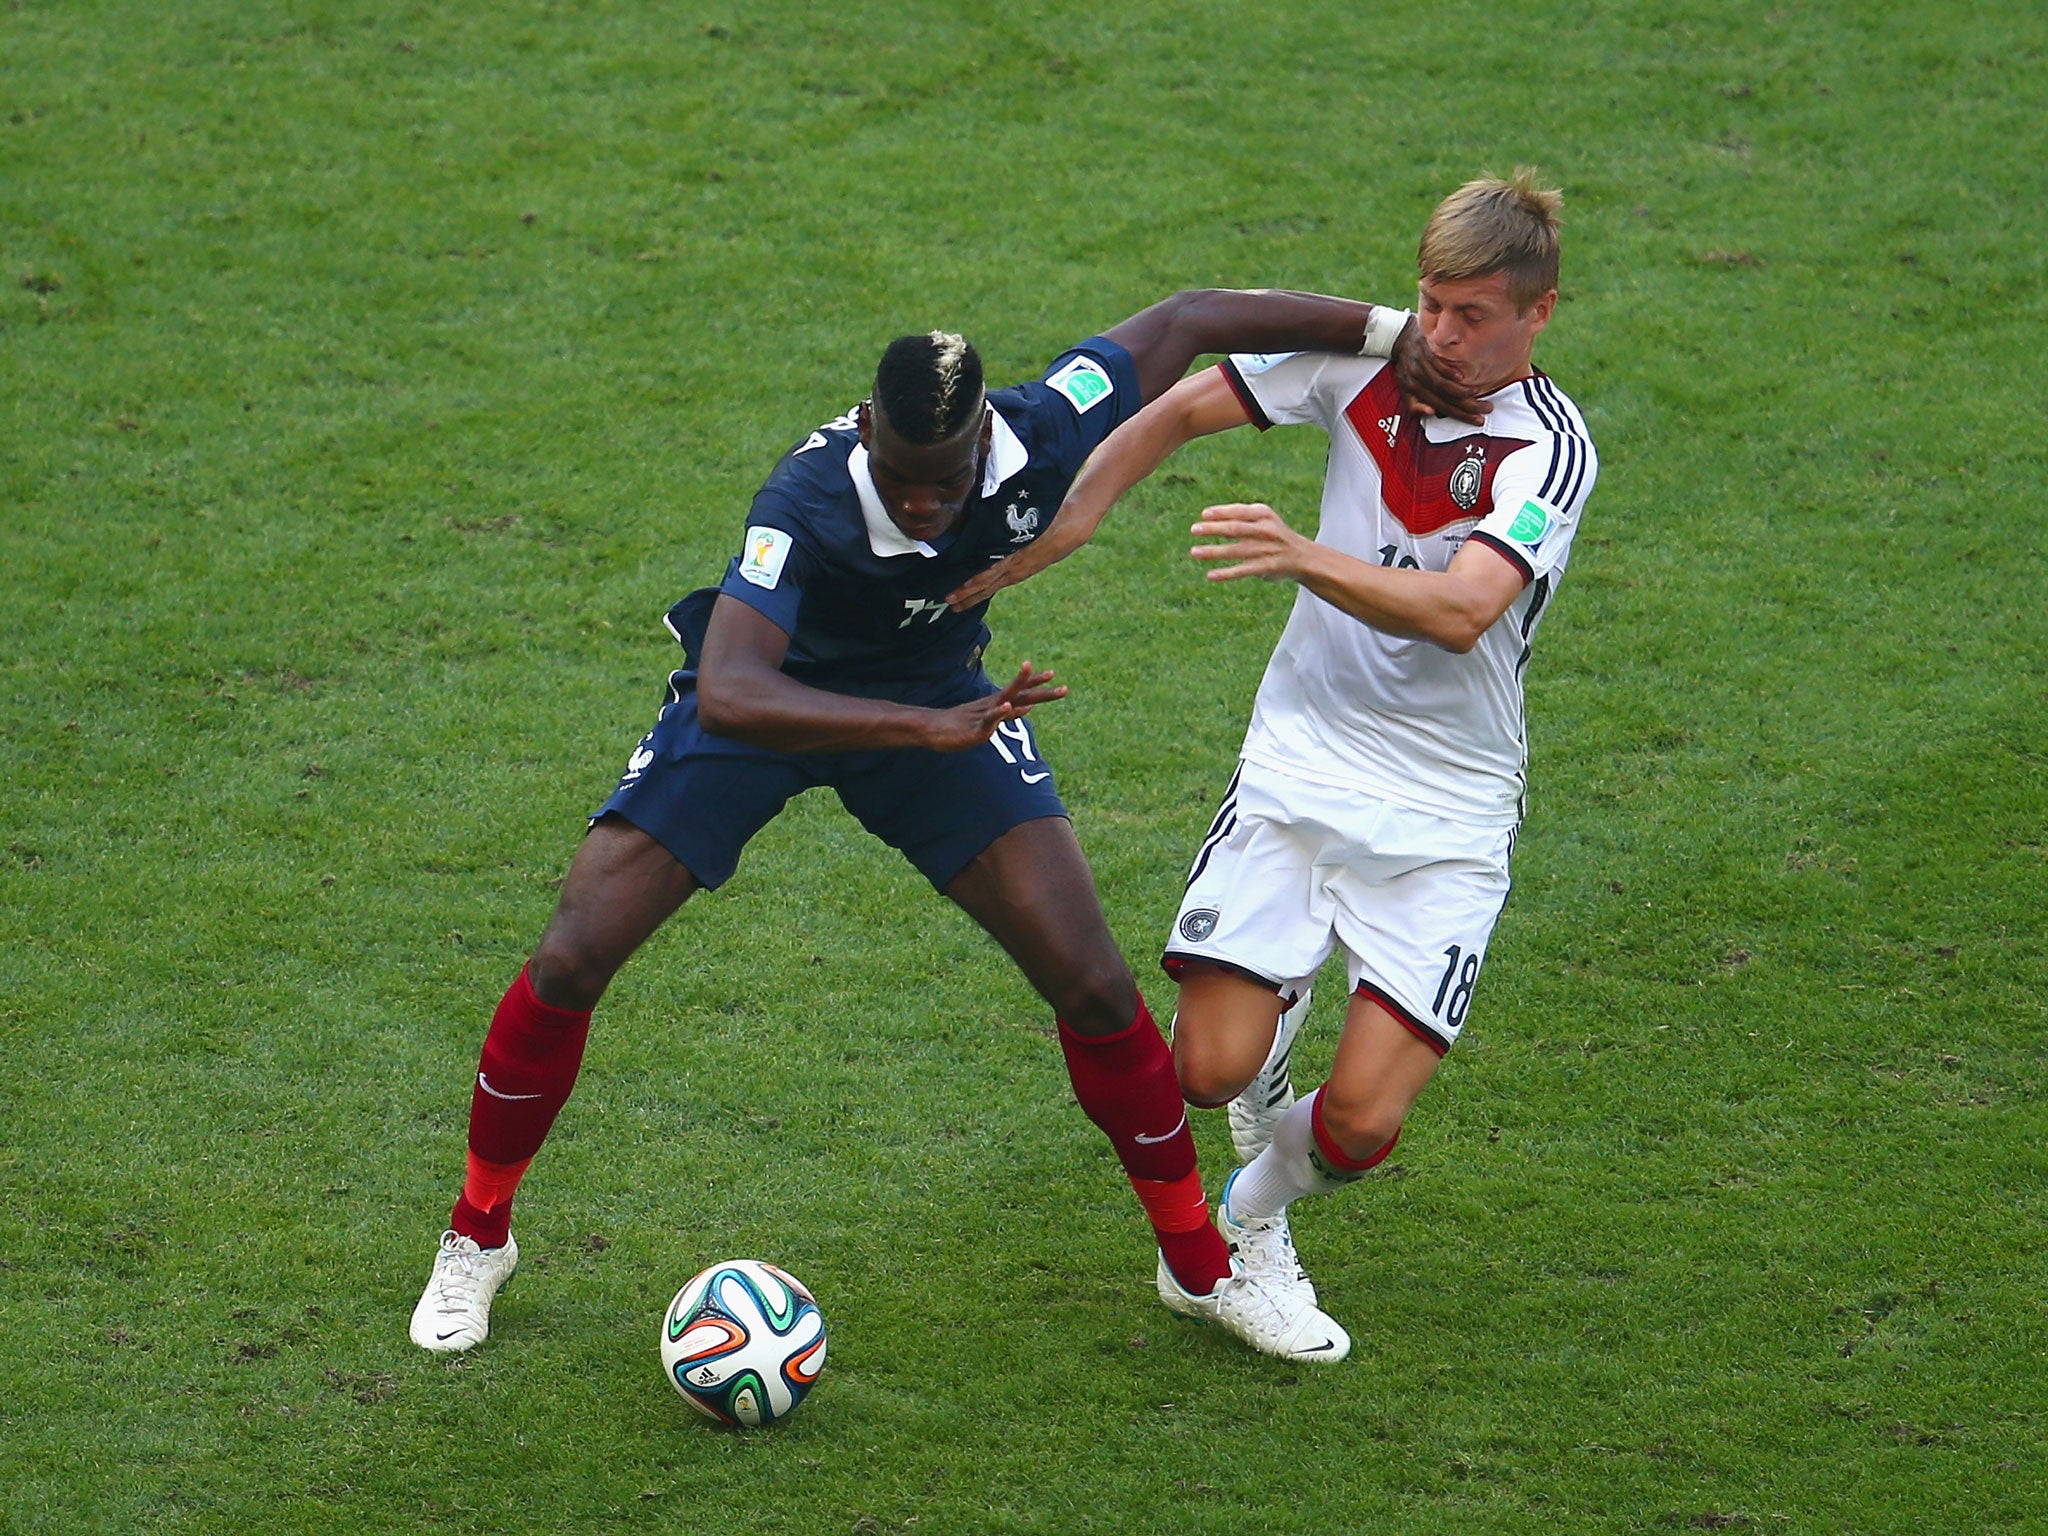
pixel 743 1342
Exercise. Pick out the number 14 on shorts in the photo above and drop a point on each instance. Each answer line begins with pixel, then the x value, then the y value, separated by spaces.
pixel 1019 751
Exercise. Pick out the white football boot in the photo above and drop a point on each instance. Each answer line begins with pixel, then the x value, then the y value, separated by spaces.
pixel 1273 1320
pixel 455 1309
pixel 1264 1244
pixel 1255 1113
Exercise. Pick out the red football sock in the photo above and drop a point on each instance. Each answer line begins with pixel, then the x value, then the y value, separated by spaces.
pixel 1189 1242
pixel 1125 1084
pixel 530 1059
pixel 485 1226
pixel 485 1210
pixel 489 1185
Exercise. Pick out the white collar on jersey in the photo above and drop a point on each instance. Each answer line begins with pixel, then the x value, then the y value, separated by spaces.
pixel 1006 455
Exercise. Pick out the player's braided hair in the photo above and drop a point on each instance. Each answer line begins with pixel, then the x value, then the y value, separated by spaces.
pixel 928 387
pixel 1493 225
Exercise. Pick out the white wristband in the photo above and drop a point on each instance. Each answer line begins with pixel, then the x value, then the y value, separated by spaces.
pixel 1382 330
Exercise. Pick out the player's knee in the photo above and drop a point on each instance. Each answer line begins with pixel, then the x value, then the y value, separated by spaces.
pixel 1208 1077
pixel 565 974
pixel 1360 1123
pixel 1096 997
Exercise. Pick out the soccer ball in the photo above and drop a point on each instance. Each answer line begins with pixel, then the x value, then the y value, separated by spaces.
pixel 743 1342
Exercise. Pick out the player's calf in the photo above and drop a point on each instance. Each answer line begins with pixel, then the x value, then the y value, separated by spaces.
pixel 1255 1113
pixel 1355 1129
pixel 621 886
pixel 1224 1030
pixel 576 960
pixel 1303 1160
pixel 1097 999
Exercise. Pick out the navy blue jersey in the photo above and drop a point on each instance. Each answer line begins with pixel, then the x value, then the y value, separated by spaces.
pixel 863 604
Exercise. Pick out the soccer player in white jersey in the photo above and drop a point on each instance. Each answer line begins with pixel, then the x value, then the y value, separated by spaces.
pixel 1383 775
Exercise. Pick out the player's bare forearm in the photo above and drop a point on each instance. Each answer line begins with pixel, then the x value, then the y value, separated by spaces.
pixel 1164 339
pixel 1058 541
pixel 1451 608
pixel 1193 408
pixel 742 692
pixel 1427 605
pixel 780 714
pixel 772 710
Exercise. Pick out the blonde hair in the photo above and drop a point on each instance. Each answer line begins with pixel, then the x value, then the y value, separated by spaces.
pixel 949 352
pixel 1494 225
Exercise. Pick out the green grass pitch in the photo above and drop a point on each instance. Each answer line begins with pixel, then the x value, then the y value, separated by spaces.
pixel 374 376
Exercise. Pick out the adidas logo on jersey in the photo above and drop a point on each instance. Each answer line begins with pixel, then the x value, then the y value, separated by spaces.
pixel 1391 425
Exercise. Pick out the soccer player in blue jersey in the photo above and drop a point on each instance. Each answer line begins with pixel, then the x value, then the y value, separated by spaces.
pixel 829 656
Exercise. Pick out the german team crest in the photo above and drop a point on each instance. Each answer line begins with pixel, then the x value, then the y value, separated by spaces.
pixel 1198 924
pixel 1467 478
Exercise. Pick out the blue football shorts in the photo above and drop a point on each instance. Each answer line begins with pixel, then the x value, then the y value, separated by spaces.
pixel 702 797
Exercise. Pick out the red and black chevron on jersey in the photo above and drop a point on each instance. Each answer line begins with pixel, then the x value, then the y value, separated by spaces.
pixel 1426 485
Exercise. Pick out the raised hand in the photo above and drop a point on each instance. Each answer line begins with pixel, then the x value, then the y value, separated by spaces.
pixel 1261 543
pixel 968 725
pixel 1429 386
pixel 1006 572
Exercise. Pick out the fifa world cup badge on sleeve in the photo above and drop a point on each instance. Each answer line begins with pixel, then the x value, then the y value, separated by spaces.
pixel 1085 383
pixel 767 549
pixel 1530 524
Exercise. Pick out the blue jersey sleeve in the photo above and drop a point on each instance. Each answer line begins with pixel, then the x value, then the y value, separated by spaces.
pixel 1088 392
pixel 773 565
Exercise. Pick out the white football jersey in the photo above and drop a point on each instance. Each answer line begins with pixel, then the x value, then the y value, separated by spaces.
pixel 1348 705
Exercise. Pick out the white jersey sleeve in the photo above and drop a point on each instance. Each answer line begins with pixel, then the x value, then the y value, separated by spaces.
pixel 1540 490
pixel 1283 389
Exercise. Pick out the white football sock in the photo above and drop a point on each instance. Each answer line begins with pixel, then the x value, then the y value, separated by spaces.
pixel 1284 1171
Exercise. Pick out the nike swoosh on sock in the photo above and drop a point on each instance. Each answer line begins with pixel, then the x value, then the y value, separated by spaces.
pixel 485 1084
pixel 1152 1141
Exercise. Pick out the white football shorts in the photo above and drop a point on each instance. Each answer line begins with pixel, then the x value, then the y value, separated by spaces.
pixel 1291 870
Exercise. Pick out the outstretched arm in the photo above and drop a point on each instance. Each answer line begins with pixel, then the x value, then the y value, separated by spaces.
pixel 743 692
pixel 1452 607
pixel 1165 338
pixel 1193 408
pixel 1168 336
